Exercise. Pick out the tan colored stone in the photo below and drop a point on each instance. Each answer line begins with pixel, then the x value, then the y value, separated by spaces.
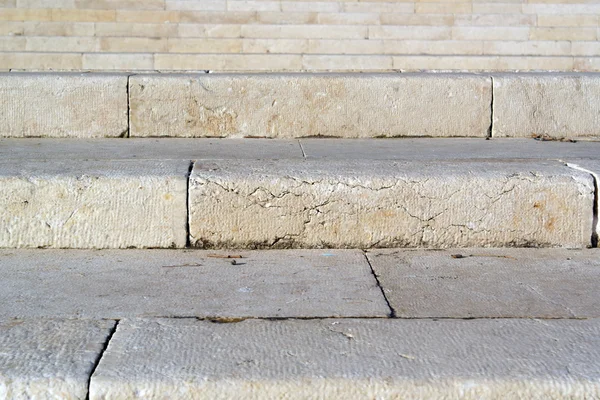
pixel 93 204
pixel 342 359
pixel 298 105
pixel 553 105
pixel 49 359
pixel 63 105
pixel 364 204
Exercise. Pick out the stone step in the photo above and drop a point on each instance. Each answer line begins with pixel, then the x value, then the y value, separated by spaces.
pixel 351 105
pixel 297 194
pixel 458 323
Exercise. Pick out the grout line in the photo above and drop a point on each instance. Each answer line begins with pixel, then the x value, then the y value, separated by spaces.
pixel 188 243
pixel 490 129
pixel 128 109
pixel 302 148
pixel 100 355
pixel 392 313
pixel 595 179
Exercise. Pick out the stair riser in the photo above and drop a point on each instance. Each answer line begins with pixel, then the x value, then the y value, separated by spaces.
pixel 294 204
pixel 299 105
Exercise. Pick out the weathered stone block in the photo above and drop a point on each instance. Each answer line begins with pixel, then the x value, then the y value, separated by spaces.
pixel 547 105
pixel 93 204
pixel 63 105
pixel 311 203
pixel 297 105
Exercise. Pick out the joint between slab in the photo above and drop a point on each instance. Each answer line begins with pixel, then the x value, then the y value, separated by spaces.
pixel 188 243
pixel 490 132
pixel 392 313
pixel 100 354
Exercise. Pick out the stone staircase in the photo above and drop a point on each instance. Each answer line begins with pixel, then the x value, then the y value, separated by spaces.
pixel 299 236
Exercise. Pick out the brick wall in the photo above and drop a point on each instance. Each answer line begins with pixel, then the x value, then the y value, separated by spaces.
pixel 262 35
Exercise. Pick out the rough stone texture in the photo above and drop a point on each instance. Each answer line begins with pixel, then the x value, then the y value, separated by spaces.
pixel 350 359
pixel 93 204
pixel 63 105
pixel 145 149
pixel 362 204
pixel 420 149
pixel 184 283
pixel 490 283
pixel 552 105
pixel 297 105
pixel 49 359
pixel 593 168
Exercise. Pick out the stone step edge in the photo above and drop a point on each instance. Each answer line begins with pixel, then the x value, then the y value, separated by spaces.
pixel 293 105
pixel 296 204
pixel 329 358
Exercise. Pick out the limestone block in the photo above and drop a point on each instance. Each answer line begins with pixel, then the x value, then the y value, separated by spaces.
pixel 368 203
pixel 63 105
pixel 553 105
pixel 351 359
pixel 49 359
pixel 101 284
pixel 490 283
pixel 93 204
pixel 296 105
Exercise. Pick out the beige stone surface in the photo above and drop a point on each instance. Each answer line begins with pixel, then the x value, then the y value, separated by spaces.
pixel 296 105
pixel 49 359
pixel 132 283
pixel 362 204
pixel 553 105
pixel 63 105
pixel 351 359
pixel 93 204
pixel 490 283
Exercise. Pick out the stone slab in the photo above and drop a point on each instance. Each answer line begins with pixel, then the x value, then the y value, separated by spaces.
pixel 593 168
pixel 350 359
pixel 490 283
pixel 93 204
pixel 183 283
pixel 148 149
pixel 49 359
pixel 301 105
pixel 552 105
pixel 430 149
pixel 363 204
pixel 63 105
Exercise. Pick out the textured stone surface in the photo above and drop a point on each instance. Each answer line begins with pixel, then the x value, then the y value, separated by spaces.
pixel 349 359
pixel 591 166
pixel 184 283
pixel 420 149
pixel 361 204
pixel 296 105
pixel 63 105
pixel 145 149
pixel 93 204
pixel 49 359
pixel 490 283
pixel 553 105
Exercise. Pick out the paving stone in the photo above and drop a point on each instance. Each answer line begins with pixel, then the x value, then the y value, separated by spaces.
pixel 490 283
pixel 348 359
pixel 363 204
pixel 183 283
pixel 593 168
pixel 93 204
pixel 421 149
pixel 551 105
pixel 63 105
pixel 300 105
pixel 147 149
pixel 49 359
